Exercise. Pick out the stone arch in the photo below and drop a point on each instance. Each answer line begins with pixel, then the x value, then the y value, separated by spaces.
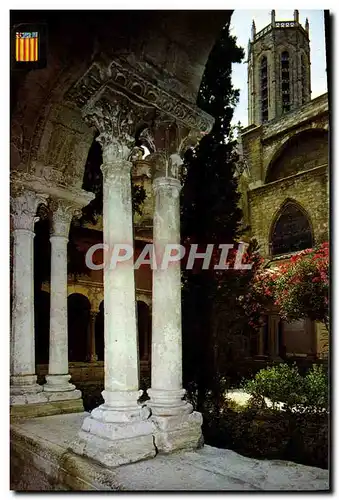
pixel 48 135
pixel 80 289
pixel 62 145
pixel 144 296
pixel 78 323
pixel 291 229
pixel 35 113
pixel 302 151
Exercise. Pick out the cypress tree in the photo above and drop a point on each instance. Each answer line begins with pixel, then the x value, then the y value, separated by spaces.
pixel 210 214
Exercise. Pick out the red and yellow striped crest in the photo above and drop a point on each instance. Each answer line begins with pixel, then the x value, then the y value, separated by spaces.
pixel 26 48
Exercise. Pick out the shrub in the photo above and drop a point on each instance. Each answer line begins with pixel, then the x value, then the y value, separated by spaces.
pixel 279 383
pixel 316 389
pixel 283 384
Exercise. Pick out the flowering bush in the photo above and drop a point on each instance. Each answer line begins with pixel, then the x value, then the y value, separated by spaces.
pixel 261 295
pixel 299 288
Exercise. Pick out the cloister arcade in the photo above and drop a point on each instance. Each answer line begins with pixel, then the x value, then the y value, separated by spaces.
pixel 132 82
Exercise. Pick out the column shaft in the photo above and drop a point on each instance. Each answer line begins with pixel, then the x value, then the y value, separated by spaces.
pixel 176 426
pixel 166 308
pixel 92 356
pixel 23 359
pixel 121 351
pixel 24 388
pixel 118 431
pixel 57 385
pixel 58 354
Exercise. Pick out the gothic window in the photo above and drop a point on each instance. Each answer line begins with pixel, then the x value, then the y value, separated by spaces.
pixel 303 79
pixel 264 89
pixel 292 231
pixel 285 81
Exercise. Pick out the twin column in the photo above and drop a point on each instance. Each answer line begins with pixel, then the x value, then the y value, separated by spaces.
pixel 122 430
pixel 24 389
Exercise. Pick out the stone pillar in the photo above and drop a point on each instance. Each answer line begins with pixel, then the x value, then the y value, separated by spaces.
pixel 176 426
pixel 261 341
pixel 57 385
pixel 273 335
pixel 119 431
pixel 92 356
pixel 23 388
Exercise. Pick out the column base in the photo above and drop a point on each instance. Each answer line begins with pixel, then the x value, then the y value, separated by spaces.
pixel 25 390
pixel 57 388
pixel 116 435
pixel 180 432
pixel 175 425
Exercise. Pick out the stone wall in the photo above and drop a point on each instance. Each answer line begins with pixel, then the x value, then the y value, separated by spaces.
pixel 308 189
pixel 262 145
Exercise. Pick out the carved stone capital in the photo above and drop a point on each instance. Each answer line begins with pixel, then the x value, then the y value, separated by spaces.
pixel 95 297
pixel 24 204
pixel 191 140
pixel 61 213
pixel 116 119
pixel 165 164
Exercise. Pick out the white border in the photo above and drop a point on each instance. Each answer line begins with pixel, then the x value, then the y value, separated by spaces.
pixel 4 172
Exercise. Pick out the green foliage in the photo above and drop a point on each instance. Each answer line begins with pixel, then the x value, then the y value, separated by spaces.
pixel 278 383
pixel 315 388
pixel 301 438
pixel 265 432
pixel 282 383
pixel 217 95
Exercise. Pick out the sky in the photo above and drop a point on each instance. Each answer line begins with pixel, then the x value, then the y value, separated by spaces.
pixel 241 23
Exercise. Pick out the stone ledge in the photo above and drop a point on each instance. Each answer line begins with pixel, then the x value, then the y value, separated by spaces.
pixel 41 461
pixel 46 409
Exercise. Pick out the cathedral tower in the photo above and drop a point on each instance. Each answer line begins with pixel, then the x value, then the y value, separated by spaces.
pixel 279 77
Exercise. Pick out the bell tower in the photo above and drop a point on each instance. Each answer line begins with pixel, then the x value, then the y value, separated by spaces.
pixel 279 76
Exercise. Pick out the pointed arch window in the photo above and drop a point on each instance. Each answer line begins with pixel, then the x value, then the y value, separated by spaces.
pixel 264 89
pixel 285 82
pixel 292 231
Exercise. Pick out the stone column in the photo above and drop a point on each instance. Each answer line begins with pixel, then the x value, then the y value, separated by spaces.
pixel 23 388
pixel 176 426
pixel 119 431
pixel 92 356
pixel 273 326
pixel 261 343
pixel 57 385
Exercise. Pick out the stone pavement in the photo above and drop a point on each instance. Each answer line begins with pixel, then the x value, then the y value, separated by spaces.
pixel 41 460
